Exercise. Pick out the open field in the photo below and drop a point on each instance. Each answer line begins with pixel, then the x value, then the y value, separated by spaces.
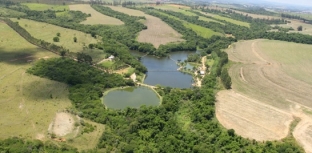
pixel 226 19
pixel 259 16
pixel 273 76
pixel 202 31
pixel 184 10
pixel 29 104
pixel 157 33
pixel 96 17
pixel 42 7
pixel 264 122
pixel 47 31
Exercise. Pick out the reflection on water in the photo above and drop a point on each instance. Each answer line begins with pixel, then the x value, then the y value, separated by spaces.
pixel 164 71
pixel 131 97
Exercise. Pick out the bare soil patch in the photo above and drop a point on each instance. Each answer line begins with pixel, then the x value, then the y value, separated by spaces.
pixel 269 78
pixel 63 124
pixel 96 17
pixel 157 32
pixel 250 118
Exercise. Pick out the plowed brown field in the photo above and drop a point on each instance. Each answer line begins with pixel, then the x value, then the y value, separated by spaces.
pixel 271 82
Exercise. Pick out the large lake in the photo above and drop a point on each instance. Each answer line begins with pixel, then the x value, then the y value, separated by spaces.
pixel 163 71
pixel 131 97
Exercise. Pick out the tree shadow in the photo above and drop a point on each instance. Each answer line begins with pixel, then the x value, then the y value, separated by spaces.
pixel 41 89
pixel 18 56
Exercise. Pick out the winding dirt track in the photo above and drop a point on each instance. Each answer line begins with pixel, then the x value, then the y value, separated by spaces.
pixel 264 98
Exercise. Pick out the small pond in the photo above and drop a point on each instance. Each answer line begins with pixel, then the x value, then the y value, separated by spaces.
pixel 130 97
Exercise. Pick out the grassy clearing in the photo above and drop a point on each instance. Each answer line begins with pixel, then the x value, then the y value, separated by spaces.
pixel 92 138
pixel 46 32
pixel 157 33
pixel 209 20
pixel 9 12
pixel 204 32
pixel 183 117
pixel 107 64
pixel 28 103
pixel 42 7
pixel 96 17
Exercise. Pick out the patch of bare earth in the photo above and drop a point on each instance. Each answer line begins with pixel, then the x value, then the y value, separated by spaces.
pixel 260 104
pixel 250 118
pixel 96 17
pixel 62 125
pixel 157 32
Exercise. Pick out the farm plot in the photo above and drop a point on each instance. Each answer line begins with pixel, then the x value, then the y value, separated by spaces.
pixel 264 121
pixel 96 17
pixel 157 33
pixel 273 76
pixel 47 32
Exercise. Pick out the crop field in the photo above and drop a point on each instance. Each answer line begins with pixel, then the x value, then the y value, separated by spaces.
pixel 42 7
pixel 47 32
pixel 264 122
pixel 157 33
pixel 273 76
pixel 246 24
pixel 96 17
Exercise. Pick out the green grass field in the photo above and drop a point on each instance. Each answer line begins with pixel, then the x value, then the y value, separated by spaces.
pixel 226 19
pixel 185 11
pixel 8 12
pixel 108 64
pixel 291 56
pixel 47 31
pixel 204 32
pixel 42 7
pixel 28 103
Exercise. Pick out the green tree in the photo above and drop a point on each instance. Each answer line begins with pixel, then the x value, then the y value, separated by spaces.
pixel 58 34
pixel 225 78
pixel 56 39
pixel 75 39
pixel 299 28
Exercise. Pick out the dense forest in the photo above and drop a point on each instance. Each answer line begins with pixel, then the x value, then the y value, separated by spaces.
pixel 149 129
